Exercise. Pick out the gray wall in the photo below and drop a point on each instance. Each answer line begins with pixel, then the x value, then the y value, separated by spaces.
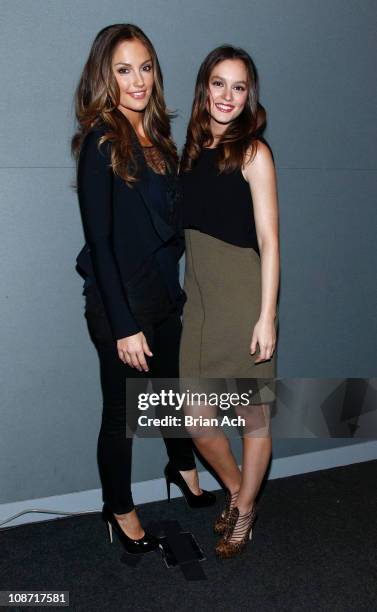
pixel 319 88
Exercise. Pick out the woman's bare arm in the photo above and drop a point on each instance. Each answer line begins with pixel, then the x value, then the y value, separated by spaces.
pixel 261 176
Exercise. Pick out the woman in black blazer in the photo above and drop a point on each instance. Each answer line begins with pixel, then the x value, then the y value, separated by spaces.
pixel 129 202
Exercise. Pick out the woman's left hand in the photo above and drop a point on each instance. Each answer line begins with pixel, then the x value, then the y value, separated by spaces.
pixel 264 334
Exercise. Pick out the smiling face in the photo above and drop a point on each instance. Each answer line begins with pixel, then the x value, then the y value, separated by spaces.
pixel 227 91
pixel 132 66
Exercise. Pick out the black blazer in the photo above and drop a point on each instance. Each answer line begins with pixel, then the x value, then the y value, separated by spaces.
pixel 121 227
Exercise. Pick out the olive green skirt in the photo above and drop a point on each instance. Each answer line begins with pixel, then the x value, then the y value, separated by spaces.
pixel 223 287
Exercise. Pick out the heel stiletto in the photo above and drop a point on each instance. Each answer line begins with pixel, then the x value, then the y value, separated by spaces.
pixel 145 544
pixel 172 475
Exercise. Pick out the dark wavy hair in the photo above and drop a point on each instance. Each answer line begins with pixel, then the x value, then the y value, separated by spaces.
pixel 240 137
pixel 97 98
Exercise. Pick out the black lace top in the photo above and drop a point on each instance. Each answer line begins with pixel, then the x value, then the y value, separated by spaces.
pixel 159 184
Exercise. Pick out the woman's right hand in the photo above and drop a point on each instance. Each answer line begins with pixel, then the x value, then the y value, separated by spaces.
pixel 132 351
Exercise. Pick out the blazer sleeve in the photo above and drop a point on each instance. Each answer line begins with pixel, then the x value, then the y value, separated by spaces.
pixel 95 187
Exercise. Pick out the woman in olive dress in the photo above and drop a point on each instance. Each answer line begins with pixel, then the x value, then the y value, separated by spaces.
pixel 232 272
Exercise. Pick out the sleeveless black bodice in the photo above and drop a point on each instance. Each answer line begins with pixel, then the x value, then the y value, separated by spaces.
pixel 218 204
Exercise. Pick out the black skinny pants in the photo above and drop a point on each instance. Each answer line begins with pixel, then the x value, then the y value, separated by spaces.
pixel 114 450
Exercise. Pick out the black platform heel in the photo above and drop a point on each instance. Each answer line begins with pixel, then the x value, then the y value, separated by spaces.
pixel 172 475
pixel 145 544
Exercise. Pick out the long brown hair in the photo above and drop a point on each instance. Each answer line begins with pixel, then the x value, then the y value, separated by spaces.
pixel 241 134
pixel 97 98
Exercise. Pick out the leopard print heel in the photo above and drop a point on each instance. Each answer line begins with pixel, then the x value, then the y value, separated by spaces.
pixel 239 530
pixel 221 522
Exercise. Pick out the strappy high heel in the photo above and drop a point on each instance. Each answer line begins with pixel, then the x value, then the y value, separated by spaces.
pixel 238 532
pixel 221 522
pixel 143 545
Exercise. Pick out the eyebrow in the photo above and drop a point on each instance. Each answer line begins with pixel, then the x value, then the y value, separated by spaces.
pixel 126 64
pixel 215 76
